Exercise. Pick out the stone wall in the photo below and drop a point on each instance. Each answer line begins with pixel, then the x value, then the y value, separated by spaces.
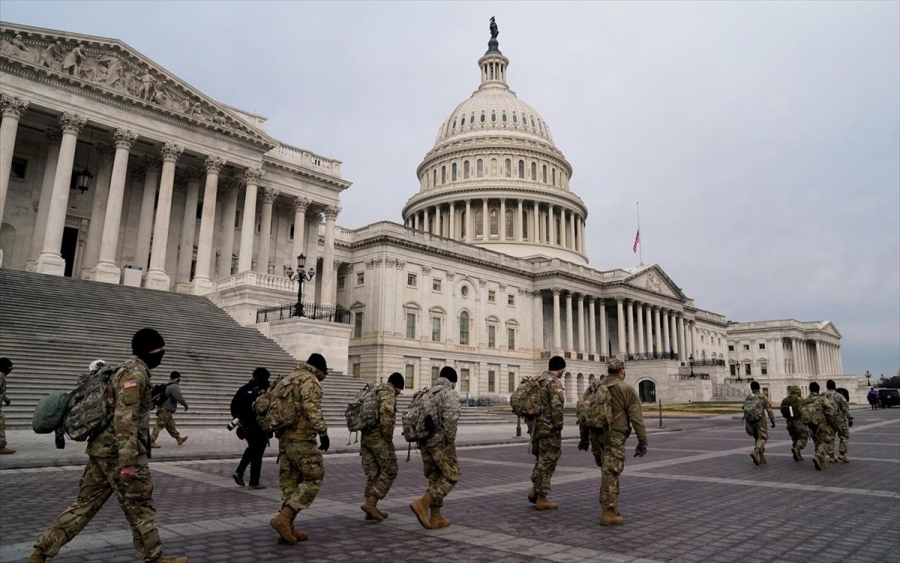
pixel 302 337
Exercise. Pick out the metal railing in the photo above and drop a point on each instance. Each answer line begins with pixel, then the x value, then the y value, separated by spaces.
pixel 709 362
pixel 688 377
pixel 315 311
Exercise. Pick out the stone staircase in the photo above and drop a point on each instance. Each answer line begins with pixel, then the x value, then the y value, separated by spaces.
pixel 53 327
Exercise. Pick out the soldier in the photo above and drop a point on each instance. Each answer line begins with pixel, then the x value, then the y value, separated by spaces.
pixel 843 420
pixel 165 414
pixel 798 430
pixel 757 428
pixel 118 461
pixel 6 366
pixel 819 413
pixel 379 459
pixel 608 446
pixel 546 433
pixel 439 454
pixel 257 440
pixel 301 470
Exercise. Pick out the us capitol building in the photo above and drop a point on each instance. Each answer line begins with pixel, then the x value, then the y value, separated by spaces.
pixel 115 170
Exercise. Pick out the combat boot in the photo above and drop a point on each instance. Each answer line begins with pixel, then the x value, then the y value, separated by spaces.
pixel 181 559
pixel 832 459
pixel 609 518
pixel 154 445
pixel 181 440
pixel 796 453
pixel 284 524
pixel 437 521
pixel 37 556
pixel 762 458
pixel 843 457
pixel 532 497
pixel 818 462
pixel 420 509
pixel 6 451
pixel 381 512
pixel 370 509
pixel 544 504
pixel 615 510
pixel 298 535
pixel 755 457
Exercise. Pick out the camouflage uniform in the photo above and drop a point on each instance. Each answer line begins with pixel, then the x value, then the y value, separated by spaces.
pixel 2 418
pixel 439 451
pixel 546 433
pixel 608 446
pixel 301 470
pixel 841 420
pixel 165 419
pixel 379 459
pixel 798 430
pixel 760 429
pixel 823 434
pixel 123 443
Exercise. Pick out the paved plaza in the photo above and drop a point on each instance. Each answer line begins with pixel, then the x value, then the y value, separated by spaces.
pixel 695 497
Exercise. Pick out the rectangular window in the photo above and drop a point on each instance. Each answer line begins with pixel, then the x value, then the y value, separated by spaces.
pixel 357 325
pixel 436 285
pixel 746 347
pixel 764 370
pixel 492 336
pixel 411 280
pixel 733 369
pixel 410 325
pixel 511 338
pixel 355 369
pixel 492 296
pixel 492 383
pixel 409 379
pixel 731 347
pixel 762 346
pixel 511 300
pixel 746 369
pixel 435 329
pixel 435 373
pixel 360 278
pixel 342 282
pixel 464 380
pixel 511 382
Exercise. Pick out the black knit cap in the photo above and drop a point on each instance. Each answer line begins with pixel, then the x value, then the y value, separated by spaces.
pixel 5 364
pixel 449 374
pixel 146 340
pixel 830 384
pixel 813 387
pixel 754 385
pixel 557 363
pixel 318 361
pixel 261 374
pixel 174 375
pixel 397 380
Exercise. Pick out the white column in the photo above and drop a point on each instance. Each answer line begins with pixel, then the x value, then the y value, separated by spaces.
pixel 438 221
pixel 12 109
pixel 452 230
pixel 152 166
pixel 502 225
pixel 470 235
pixel 658 330
pixel 229 216
pixel 581 343
pixel 639 312
pixel 570 332
pixel 551 237
pixel 265 231
pixel 620 328
pixel 202 284
pixel 557 328
pixel 188 229
pixel 604 327
pixel 673 332
pixel 592 330
pixel 537 306
pixel 98 210
pixel 331 213
pixel 107 270
pixel 682 346
pixel 252 176
pixel 485 221
pixel 54 136
pixel 667 343
pixel 300 205
pixel 520 225
pixel 156 276
pixel 536 227
pixel 648 314
pixel 50 260
pixel 571 219
pixel 629 313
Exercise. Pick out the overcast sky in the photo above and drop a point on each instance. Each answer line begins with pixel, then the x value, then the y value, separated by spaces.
pixel 762 139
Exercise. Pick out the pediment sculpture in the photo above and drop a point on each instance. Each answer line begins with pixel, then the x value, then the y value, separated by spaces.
pixel 653 282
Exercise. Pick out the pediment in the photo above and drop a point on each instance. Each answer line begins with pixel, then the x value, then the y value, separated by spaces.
pixel 112 68
pixel 655 280
pixel 829 328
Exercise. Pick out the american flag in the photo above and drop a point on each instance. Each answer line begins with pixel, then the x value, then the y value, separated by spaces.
pixel 637 241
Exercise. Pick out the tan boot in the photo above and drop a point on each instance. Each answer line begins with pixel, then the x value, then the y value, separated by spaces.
pixel 762 458
pixel 755 457
pixel 37 556
pixel 609 518
pixel 532 498
pixel 298 535
pixel 181 559
pixel 154 445
pixel 817 461
pixel 181 440
pixel 796 453
pixel 6 451
pixel 544 504
pixel 615 510
pixel 284 524
pixel 420 509
pixel 370 509
pixel 437 521
pixel 381 512
pixel 843 457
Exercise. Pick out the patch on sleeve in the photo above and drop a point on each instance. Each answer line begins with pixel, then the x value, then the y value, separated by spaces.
pixel 129 384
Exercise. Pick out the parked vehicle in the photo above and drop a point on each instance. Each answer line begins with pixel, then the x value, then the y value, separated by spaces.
pixel 888 398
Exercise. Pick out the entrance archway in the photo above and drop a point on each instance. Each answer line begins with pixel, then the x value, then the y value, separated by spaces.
pixel 647 391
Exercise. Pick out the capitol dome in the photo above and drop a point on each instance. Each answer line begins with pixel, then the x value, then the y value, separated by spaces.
pixel 494 177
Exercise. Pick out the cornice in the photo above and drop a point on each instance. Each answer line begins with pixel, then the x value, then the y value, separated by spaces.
pixel 307 173
pixel 416 202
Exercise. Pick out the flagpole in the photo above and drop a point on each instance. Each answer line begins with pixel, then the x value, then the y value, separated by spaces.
pixel 641 241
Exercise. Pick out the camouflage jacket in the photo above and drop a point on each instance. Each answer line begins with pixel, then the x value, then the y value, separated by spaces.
pixel 828 409
pixel 2 387
pixel 126 438
pixel 767 405
pixel 553 401
pixel 448 405
pixel 626 409
pixel 387 410
pixel 841 406
pixel 307 393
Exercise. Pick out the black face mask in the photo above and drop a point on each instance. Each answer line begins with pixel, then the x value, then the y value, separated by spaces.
pixel 153 360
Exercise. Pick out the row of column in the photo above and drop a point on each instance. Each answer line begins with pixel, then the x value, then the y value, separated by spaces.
pixel 543 220
pixel 821 358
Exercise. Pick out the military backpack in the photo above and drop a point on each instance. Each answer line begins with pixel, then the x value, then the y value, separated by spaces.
pixel 158 394
pixel 811 411
pixel 362 413
pixel 526 399
pixel 754 408
pixel 90 406
pixel 422 418
pixel 595 406
pixel 791 406
pixel 276 408
pixel 50 412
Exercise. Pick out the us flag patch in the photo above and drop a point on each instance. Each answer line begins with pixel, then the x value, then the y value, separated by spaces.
pixel 129 384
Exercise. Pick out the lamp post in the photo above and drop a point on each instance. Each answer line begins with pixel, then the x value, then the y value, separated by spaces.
pixel 868 379
pixel 300 276
pixel 691 362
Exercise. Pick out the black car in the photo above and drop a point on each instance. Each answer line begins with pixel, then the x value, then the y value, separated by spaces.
pixel 888 397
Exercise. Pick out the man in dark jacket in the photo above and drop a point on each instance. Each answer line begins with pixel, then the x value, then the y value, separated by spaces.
pixel 257 440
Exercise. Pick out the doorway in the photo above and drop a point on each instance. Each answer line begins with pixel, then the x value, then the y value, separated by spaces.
pixel 647 391
pixel 68 248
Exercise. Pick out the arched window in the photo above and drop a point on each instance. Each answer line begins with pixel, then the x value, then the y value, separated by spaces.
pixel 534 170
pixel 443 174
pixel 515 118
pixel 479 223
pixel 493 168
pixel 522 169
pixel 466 170
pixel 544 174
pixel 493 117
pixel 453 172
pixel 554 176
pixel 503 117
pixel 510 227
pixel 433 178
pixel 482 117
pixel 507 168
pixel 464 328
pixel 454 125
pixel 472 119
pixel 525 228
pixel 479 168
pixel 495 223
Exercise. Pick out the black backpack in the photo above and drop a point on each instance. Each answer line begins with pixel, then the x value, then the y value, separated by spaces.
pixel 158 394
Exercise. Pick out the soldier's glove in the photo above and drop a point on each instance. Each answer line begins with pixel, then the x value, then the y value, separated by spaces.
pixel 584 444
pixel 641 449
pixel 773 422
pixel 325 442
pixel 185 408
pixel 850 422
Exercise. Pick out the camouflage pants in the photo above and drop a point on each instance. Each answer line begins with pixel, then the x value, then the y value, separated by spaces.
pixel 760 433
pixel 842 431
pixel 441 470
pixel 823 438
pixel 379 461
pixel 100 480
pixel 609 453
pixel 300 473
pixel 165 419
pixel 2 430
pixel 547 449
pixel 799 434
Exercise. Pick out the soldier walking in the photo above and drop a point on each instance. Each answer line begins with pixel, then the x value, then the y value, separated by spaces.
pixel 546 433
pixel 608 446
pixel 759 404
pixel 379 458
pixel 439 454
pixel 165 414
pixel 257 440
pixel 6 367
pixel 118 461
pixel 298 403
pixel 798 430
pixel 819 413
pixel 843 421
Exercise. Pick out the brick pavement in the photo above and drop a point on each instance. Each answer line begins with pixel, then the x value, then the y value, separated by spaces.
pixel 695 497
